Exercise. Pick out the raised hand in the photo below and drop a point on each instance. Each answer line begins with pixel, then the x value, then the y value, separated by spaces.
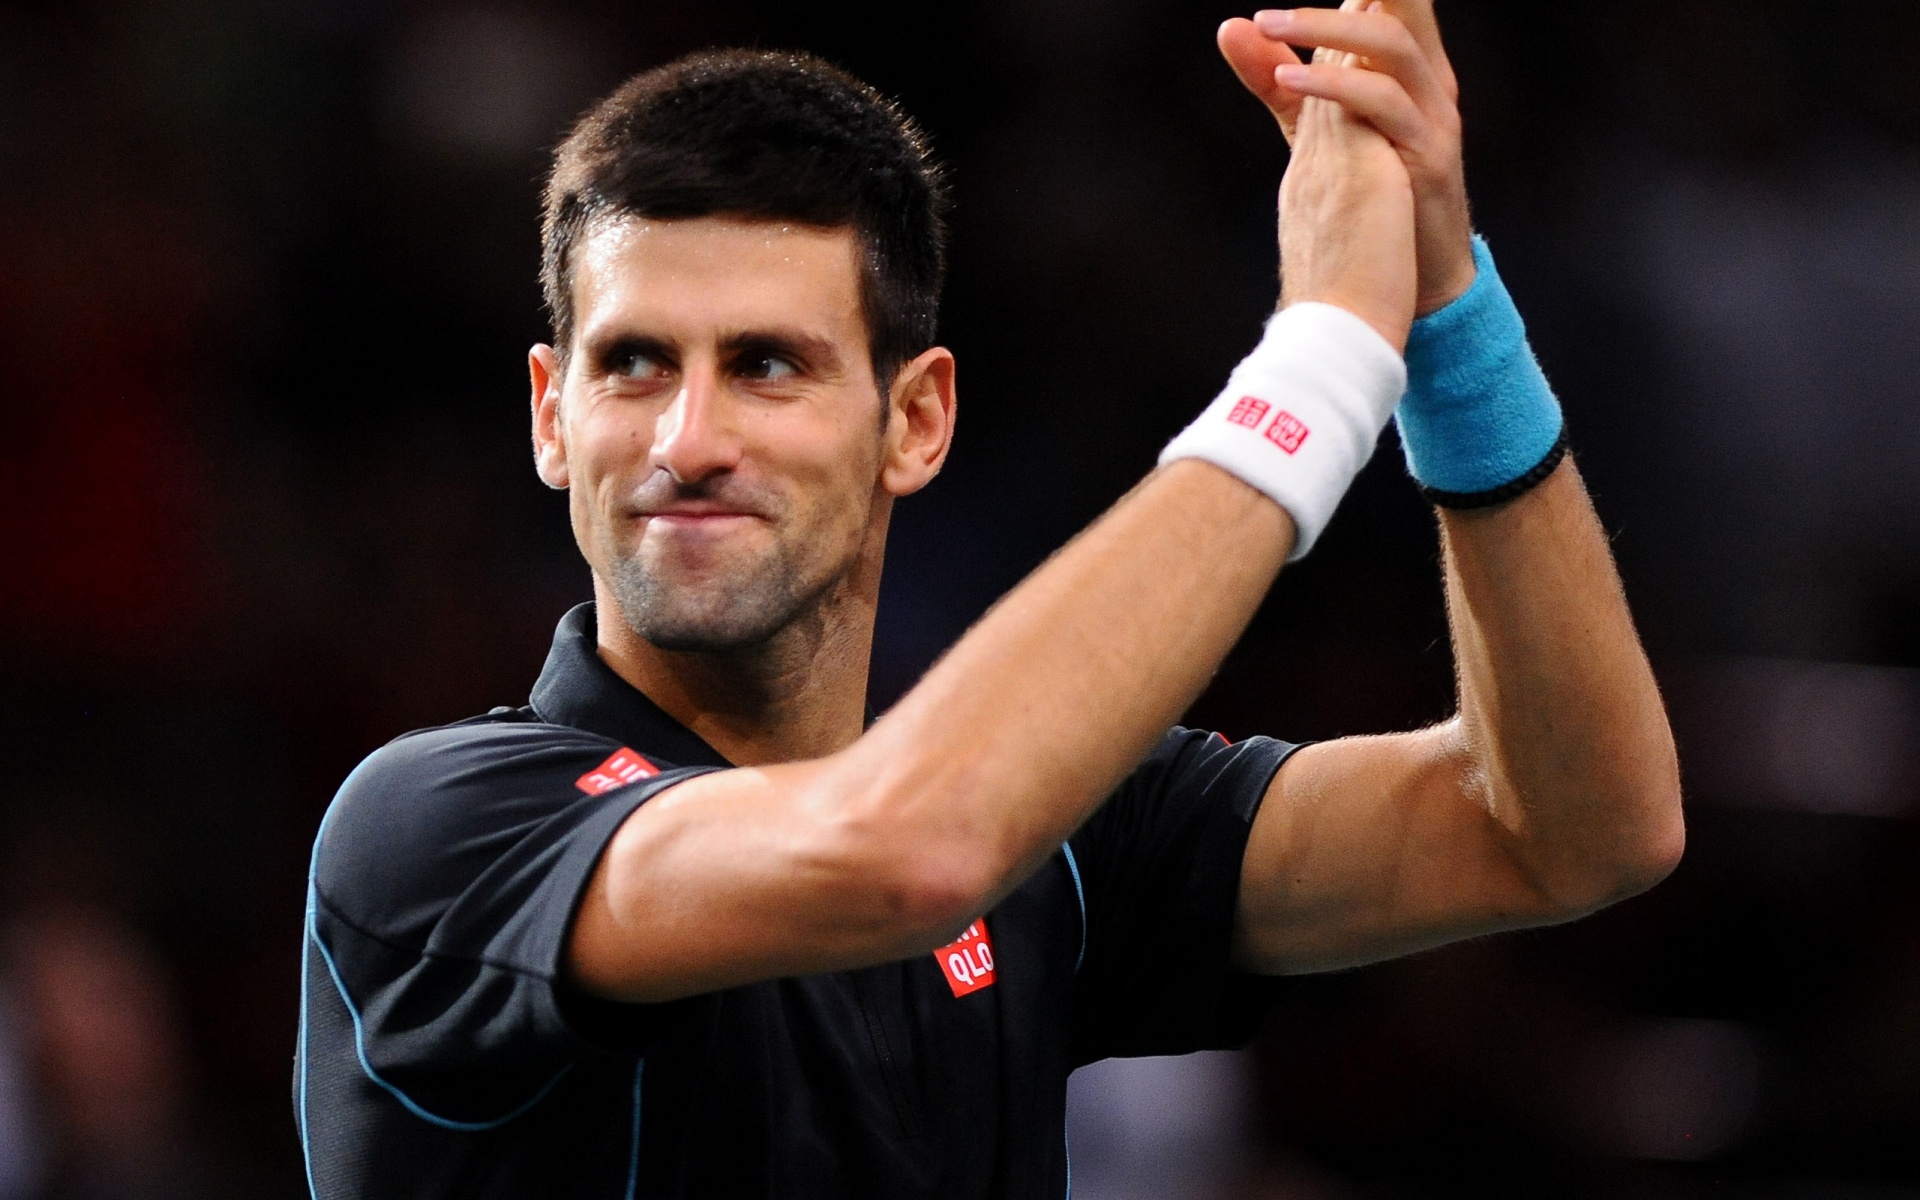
pixel 1406 90
pixel 1347 217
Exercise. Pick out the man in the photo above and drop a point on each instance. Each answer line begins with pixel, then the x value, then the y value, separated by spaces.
pixel 688 925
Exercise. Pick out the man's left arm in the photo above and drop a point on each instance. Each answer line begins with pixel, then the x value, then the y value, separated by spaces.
pixel 1555 790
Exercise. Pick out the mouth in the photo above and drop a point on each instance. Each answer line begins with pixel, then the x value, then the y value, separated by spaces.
pixel 696 518
pixel 696 514
pixel 698 521
pixel 694 510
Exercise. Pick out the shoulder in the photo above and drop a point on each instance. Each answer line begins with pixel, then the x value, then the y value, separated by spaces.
pixel 1194 762
pixel 438 804
pixel 1179 748
pixel 1190 785
pixel 486 753
pixel 492 765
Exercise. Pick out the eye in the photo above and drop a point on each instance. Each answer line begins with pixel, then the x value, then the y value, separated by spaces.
pixel 766 367
pixel 637 364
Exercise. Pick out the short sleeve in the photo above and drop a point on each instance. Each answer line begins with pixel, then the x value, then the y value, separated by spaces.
pixel 445 879
pixel 1159 872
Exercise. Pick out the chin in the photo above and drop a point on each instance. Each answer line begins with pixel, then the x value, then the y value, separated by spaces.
pixel 710 612
pixel 721 620
pixel 707 639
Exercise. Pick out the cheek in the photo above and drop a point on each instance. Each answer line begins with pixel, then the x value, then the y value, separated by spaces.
pixel 833 466
pixel 606 454
pixel 608 447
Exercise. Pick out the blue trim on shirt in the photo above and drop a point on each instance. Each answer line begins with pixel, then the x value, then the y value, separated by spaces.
pixel 360 1027
pixel 1066 1144
pixel 633 1155
pixel 313 903
pixel 1080 894
pixel 306 1154
pixel 406 1101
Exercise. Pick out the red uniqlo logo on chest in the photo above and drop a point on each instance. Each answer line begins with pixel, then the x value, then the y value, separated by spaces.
pixel 623 768
pixel 968 962
pixel 1248 412
pixel 1287 431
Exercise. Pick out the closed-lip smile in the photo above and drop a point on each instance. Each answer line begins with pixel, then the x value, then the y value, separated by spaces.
pixel 695 513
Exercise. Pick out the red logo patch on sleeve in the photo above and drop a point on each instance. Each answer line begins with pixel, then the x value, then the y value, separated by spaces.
pixel 1287 431
pixel 968 962
pixel 1248 411
pixel 623 768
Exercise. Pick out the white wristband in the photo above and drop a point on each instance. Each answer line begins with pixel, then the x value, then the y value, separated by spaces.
pixel 1301 414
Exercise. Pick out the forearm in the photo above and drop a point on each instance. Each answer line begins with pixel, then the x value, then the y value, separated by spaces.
pixel 959 792
pixel 1046 705
pixel 1561 722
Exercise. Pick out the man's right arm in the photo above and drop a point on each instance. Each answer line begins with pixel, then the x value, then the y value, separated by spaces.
pixel 891 846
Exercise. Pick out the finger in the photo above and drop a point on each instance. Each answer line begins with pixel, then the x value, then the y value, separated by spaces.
pixel 1424 24
pixel 1355 32
pixel 1254 57
pixel 1375 98
pixel 1375 35
pixel 1419 18
pixel 1326 54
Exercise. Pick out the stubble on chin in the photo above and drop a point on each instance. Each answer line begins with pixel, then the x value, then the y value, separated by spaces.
pixel 736 610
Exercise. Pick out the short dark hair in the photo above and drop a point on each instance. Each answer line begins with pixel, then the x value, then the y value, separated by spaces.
pixel 761 135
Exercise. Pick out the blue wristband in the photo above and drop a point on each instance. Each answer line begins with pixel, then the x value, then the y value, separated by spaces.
pixel 1479 422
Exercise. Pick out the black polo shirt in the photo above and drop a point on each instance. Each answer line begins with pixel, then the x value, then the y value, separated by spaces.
pixel 442 1055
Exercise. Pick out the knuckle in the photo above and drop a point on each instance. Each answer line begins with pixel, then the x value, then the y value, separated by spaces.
pixel 1381 88
pixel 1393 21
pixel 1390 30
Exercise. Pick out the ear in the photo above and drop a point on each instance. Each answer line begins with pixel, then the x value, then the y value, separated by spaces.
pixel 920 414
pixel 549 440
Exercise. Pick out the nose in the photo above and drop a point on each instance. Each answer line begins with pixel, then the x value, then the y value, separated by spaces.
pixel 695 438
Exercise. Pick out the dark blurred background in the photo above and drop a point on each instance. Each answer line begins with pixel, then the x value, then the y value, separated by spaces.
pixel 266 288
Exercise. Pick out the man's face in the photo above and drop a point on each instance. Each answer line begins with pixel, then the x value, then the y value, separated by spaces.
pixel 719 425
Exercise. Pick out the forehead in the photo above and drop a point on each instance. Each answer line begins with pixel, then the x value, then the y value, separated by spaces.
pixel 682 277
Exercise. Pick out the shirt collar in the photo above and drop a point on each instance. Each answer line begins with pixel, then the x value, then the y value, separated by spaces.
pixel 579 689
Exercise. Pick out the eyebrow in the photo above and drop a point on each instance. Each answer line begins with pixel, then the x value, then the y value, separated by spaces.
pixel 819 354
pixel 813 351
pixel 602 350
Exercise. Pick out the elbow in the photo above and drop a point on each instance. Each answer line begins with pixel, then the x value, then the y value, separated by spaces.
pixel 936 900
pixel 1667 841
pixel 1650 853
pixel 1655 837
pixel 1635 855
pixel 917 887
pixel 1633 829
pixel 1660 842
pixel 924 899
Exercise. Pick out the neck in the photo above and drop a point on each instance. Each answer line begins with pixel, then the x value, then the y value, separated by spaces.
pixel 800 694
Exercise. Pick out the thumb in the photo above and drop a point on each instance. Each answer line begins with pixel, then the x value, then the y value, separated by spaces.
pixel 1253 56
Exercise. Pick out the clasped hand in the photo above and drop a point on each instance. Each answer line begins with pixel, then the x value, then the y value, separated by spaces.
pixel 1373 209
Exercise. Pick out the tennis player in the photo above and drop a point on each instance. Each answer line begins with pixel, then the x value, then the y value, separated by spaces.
pixel 691 924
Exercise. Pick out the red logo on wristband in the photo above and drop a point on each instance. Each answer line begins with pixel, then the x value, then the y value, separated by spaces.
pixel 1249 412
pixel 968 962
pixel 623 768
pixel 1287 431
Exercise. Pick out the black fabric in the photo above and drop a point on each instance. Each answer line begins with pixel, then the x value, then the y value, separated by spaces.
pixel 1161 866
pixel 441 1054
